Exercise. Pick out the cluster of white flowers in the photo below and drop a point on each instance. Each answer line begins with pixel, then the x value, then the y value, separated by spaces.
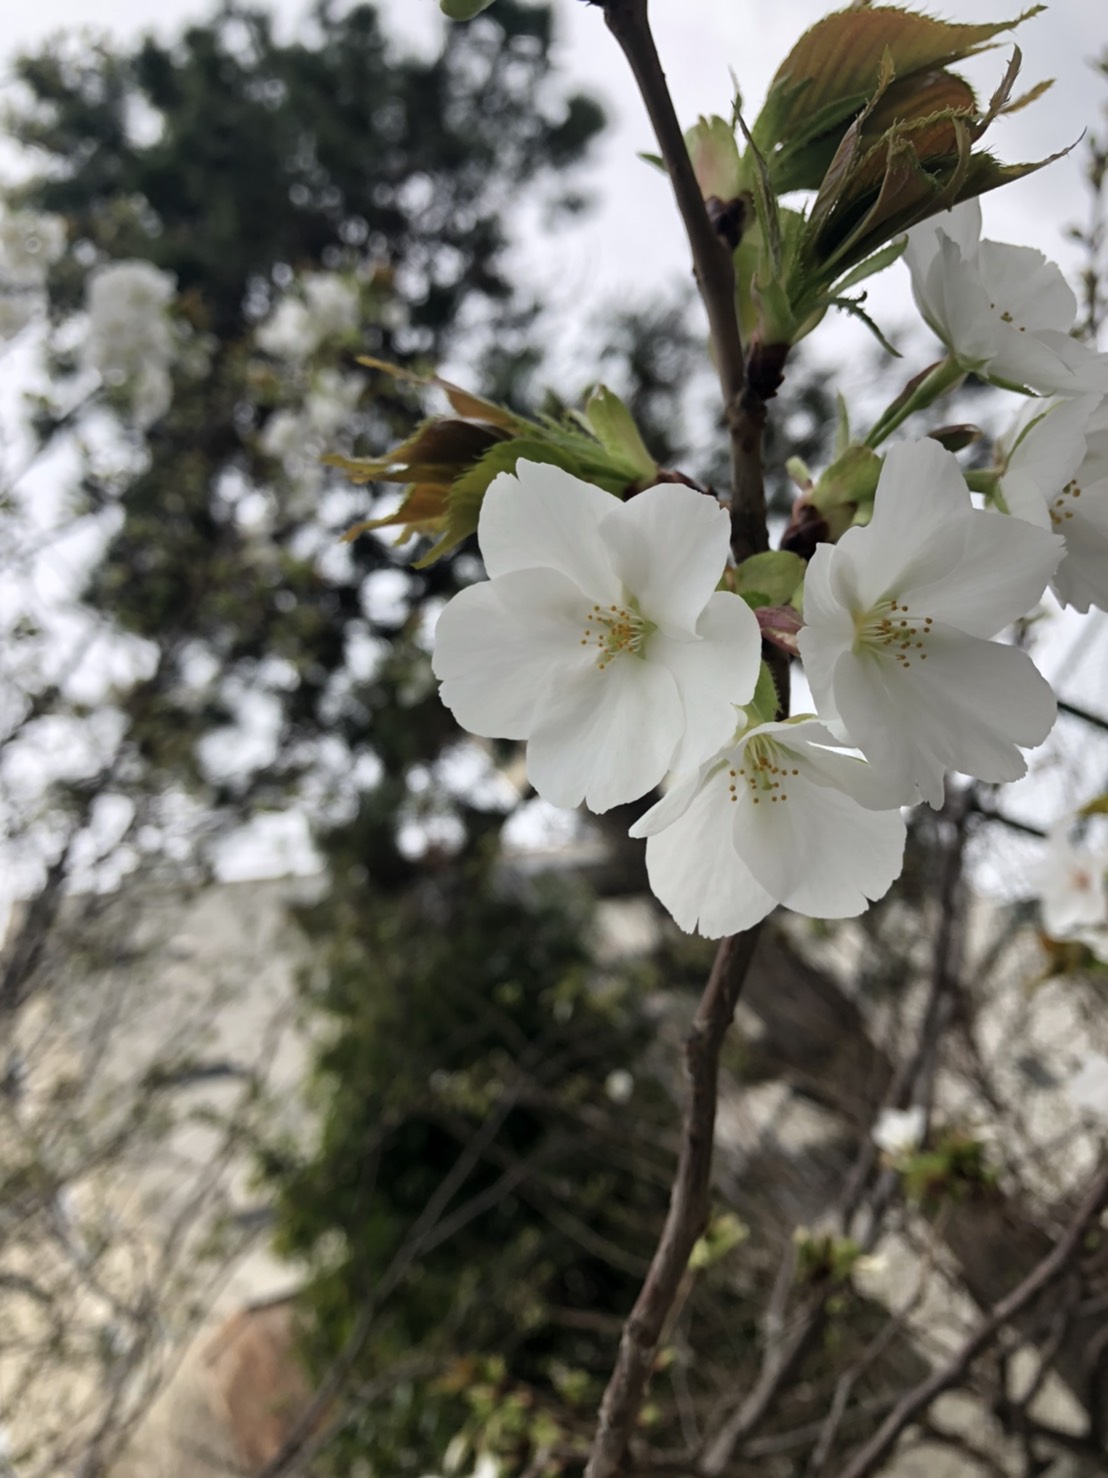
pixel 323 307
pixel 298 435
pixel 1087 1089
pixel 1072 883
pixel 29 244
pixel 130 341
pixel 899 1132
pixel 320 310
pixel 604 640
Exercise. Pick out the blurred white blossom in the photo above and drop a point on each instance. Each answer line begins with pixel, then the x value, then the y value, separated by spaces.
pixel 30 243
pixel 1088 1088
pixel 1073 887
pixel 619 1085
pixel 298 436
pixel 899 1131
pixel 130 340
pixel 325 308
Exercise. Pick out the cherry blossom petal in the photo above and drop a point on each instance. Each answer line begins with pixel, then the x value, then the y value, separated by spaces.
pixel 965 706
pixel 1082 578
pixel 544 518
pixel 826 763
pixel 605 735
pixel 1026 286
pixel 921 496
pixel 816 849
pixel 1050 361
pixel 955 304
pixel 692 529
pixel 1048 446
pixel 696 873
pixel 676 801
pixel 714 675
pixel 499 645
pixel 997 568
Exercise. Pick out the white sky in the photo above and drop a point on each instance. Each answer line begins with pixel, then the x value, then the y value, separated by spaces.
pixel 633 241
pixel 700 41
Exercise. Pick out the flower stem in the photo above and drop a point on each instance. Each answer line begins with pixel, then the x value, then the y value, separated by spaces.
pixel 917 395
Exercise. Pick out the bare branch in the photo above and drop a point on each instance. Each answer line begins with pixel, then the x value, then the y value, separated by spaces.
pixel 917 1401
pixel 688 1209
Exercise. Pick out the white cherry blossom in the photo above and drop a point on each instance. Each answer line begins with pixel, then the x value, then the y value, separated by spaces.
pixel 781 815
pixel 130 341
pixel 1072 880
pixel 1055 475
pixel 29 244
pixel 898 618
pixel 1087 1090
pixel 325 308
pixel 899 1131
pixel 600 637
pixel 1002 311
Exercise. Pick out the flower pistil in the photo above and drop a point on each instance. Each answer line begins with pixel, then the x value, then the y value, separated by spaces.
pixel 890 627
pixel 616 629
pixel 761 773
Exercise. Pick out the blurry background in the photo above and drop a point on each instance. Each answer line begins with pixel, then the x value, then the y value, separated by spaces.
pixel 330 1060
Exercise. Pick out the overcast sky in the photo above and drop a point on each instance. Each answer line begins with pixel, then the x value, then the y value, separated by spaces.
pixel 633 240
pixel 700 41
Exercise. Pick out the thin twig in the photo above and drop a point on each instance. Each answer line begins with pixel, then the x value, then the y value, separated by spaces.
pixel 918 1400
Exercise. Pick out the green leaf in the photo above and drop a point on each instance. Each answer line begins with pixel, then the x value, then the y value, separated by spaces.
pixel 467 493
pixel 435 452
pixel 877 263
pixel 463 10
pixel 611 423
pixel 837 63
pixel 774 574
pixel 853 306
pixel 762 708
pixel 842 425
pixel 765 200
pixel 715 157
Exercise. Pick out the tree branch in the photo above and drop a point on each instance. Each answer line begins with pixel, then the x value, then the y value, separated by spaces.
pixel 1052 1266
pixel 715 275
pixel 744 410
pixel 688 1209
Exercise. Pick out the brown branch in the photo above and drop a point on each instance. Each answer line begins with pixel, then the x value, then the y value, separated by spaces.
pixel 688 1210
pixel 744 410
pixel 1096 720
pixel 744 405
pixel 1052 1266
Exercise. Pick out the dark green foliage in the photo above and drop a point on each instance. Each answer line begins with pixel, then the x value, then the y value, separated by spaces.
pixel 231 159
pixel 465 1000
